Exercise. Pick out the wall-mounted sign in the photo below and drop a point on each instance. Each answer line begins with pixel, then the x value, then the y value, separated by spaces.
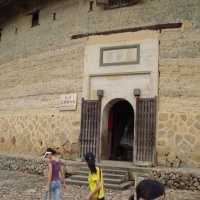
pixel 120 55
pixel 68 102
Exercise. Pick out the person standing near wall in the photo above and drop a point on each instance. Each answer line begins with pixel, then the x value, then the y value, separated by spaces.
pixel 95 179
pixel 54 167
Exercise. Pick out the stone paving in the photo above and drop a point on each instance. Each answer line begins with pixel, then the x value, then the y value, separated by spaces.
pixel 21 186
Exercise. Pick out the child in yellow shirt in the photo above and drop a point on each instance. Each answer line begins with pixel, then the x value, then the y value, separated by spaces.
pixel 95 179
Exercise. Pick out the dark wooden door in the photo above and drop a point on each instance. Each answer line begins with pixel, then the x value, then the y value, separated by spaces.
pixel 144 142
pixel 90 127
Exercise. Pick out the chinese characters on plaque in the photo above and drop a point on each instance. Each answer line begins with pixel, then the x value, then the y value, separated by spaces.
pixel 119 55
pixel 68 102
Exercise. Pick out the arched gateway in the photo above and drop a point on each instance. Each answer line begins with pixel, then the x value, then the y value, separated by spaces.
pixel 118 131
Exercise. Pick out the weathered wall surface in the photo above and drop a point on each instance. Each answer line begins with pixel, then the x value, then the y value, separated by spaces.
pixel 39 64
pixel 179 109
pixel 30 134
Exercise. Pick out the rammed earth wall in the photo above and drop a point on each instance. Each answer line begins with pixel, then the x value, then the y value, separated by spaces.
pixel 39 64
pixel 178 136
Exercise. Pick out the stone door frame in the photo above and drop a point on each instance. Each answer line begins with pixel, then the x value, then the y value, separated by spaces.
pixel 104 127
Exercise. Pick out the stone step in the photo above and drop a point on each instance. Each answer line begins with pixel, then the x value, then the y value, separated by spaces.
pixel 107 171
pixel 75 182
pixel 106 180
pixel 121 186
pixel 111 176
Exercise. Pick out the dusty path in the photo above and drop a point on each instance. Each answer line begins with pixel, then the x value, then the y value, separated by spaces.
pixel 21 186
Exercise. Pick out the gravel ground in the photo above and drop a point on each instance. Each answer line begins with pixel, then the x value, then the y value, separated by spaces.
pixel 22 186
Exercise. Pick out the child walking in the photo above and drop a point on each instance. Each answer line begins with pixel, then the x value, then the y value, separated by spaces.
pixel 95 179
pixel 54 181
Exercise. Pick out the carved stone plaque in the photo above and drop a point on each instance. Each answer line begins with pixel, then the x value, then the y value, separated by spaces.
pixel 120 55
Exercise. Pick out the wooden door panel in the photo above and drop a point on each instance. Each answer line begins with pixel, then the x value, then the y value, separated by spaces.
pixel 144 143
pixel 90 130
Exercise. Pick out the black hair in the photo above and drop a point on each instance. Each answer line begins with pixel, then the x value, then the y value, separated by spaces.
pixel 132 197
pixel 90 158
pixel 53 152
pixel 149 190
pixel 155 190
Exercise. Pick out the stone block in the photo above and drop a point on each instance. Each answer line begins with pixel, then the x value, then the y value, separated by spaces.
pixel 56 143
pixel 161 134
pixel 192 188
pixel 75 148
pixel 175 128
pixel 163 116
pixel 67 147
pixel 170 134
pixel 161 142
pixel 75 135
pixel 2 139
pixel 161 151
pixel 192 130
pixel 168 125
pixel 133 175
pixel 71 170
pixel 182 186
pixel 63 138
pixel 76 123
pixel 197 125
pixel 169 183
pixel 176 163
pixel 183 157
pixel 161 160
pixel 196 184
pixel 66 156
pixel 79 160
pixel 160 126
pixel 183 117
pixel 179 138
pixel 171 143
pixel 196 146
pixel 168 150
pixel 74 156
pixel 168 164
pixel 171 157
pixel 195 156
pixel 190 138
pixel 185 147
pixel 197 117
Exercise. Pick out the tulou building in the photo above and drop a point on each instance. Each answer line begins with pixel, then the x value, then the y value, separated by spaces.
pixel 119 78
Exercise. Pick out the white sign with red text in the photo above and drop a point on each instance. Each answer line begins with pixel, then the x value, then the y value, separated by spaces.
pixel 68 102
